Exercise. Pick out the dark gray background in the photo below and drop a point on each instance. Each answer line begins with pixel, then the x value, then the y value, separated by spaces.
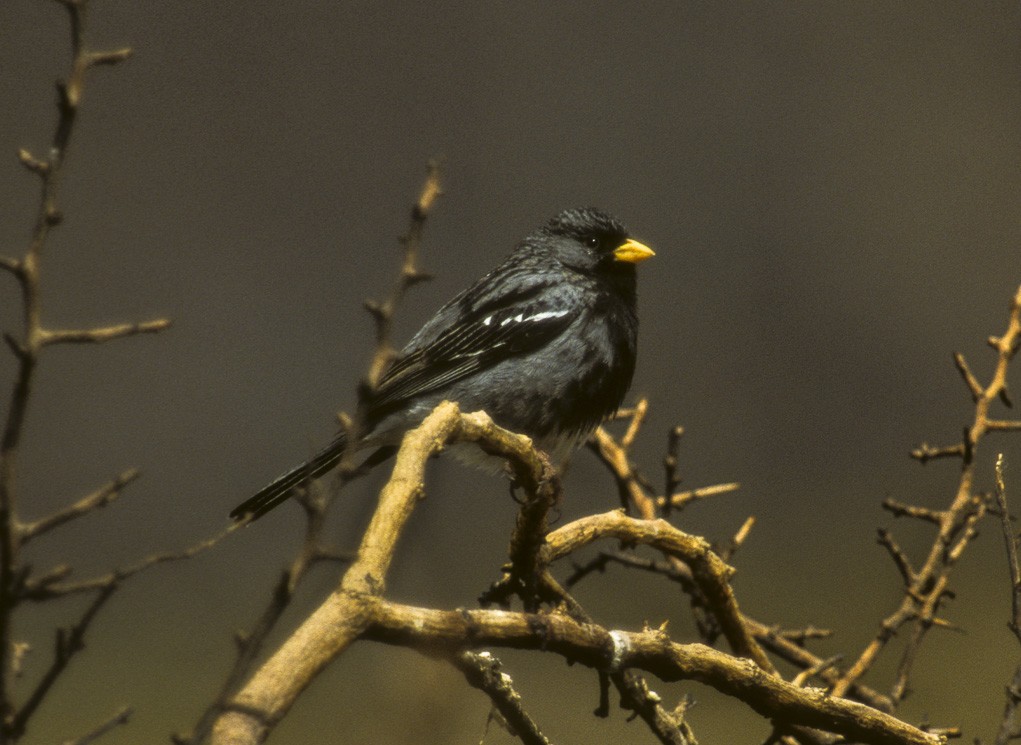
pixel 832 190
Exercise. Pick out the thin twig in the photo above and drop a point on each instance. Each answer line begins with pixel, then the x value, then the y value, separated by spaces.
pixel 1010 723
pixel 250 644
pixel 91 502
pixel 47 586
pixel 1010 539
pixel 118 718
pixel 67 644
pixel 102 334
pixel 765 634
pixel 410 275
pixel 681 499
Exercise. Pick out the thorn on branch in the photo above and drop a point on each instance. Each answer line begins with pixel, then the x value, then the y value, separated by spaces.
pixel 431 191
pixel 926 452
pixel 20 350
pixel 670 463
pixel 14 266
pixel 483 671
pixel 36 166
pixel 19 651
pixel 375 309
pixel 970 380
pixel 739 538
pixel 900 558
pixel 113 57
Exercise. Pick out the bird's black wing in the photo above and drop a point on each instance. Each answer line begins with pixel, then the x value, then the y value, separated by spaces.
pixel 498 328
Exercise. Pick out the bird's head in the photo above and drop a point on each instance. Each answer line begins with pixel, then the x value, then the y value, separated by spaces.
pixel 590 240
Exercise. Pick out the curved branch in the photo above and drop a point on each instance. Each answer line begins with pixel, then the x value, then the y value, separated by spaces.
pixel 709 571
pixel 650 650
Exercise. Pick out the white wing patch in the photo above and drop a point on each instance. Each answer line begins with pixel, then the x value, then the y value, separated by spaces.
pixel 522 318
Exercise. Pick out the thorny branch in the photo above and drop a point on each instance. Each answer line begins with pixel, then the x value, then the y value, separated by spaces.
pixel 649 650
pixel 926 586
pixel 316 503
pixel 249 644
pixel 528 576
pixel 19 583
pixel 358 610
pixel 410 275
pixel 782 644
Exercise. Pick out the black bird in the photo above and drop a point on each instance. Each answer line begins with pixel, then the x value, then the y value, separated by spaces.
pixel 545 344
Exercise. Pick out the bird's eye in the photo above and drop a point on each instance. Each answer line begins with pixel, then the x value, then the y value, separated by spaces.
pixel 592 242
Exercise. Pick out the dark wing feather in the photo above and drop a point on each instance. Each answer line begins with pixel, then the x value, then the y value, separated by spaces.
pixel 477 340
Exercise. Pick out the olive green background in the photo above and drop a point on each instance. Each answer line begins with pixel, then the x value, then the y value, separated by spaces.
pixel 832 190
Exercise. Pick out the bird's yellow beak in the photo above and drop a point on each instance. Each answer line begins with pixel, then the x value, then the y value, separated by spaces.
pixel 632 252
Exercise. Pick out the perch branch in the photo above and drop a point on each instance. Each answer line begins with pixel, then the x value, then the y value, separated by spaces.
pixel 342 617
pixel 649 650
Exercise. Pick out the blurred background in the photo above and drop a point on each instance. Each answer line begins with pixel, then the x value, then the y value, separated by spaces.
pixel 832 191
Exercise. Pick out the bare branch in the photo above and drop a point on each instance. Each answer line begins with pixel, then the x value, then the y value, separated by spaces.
pixel 342 617
pixel 649 650
pixel 711 574
pixel 682 499
pixel 67 644
pixel 670 462
pixel 98 499
pixel 900 559
pixel 113 57
pixel 482 671
pixel 1010 724
pixel 926 452
pixel 616 459
pixel 103 334
pixel 927 586
pixel 899 509
pixel 45 588
pixel 1010 539
pixel 27 350
pixel 250 643
pixel 410 275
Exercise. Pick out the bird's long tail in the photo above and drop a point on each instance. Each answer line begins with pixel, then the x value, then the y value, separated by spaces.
pixel 282 488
